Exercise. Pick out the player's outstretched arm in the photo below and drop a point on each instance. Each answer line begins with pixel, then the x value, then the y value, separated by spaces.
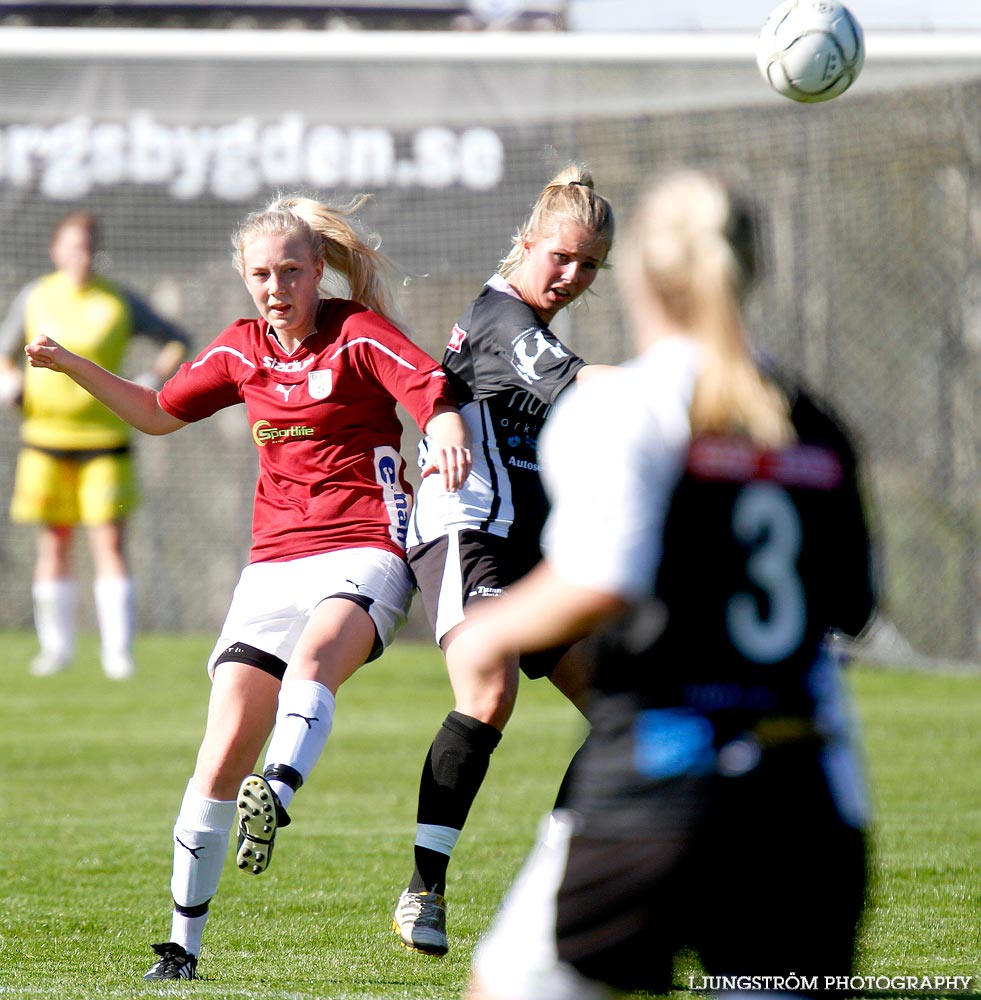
pixel 541 611
pixel 588 372
pixel 449 448
pixel 136 404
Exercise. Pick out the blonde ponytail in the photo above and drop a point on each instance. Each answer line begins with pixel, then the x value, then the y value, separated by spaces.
pixel 363 269
pixel 697 256
pixel 569 196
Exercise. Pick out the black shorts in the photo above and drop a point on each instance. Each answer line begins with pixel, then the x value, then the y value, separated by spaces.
pixel 471 565
pixel 764 878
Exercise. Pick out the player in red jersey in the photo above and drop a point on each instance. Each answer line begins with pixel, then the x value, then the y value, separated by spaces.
pixel 327 585
pixel 718 803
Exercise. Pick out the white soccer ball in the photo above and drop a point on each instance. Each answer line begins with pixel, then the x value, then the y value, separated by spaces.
pixel 810 50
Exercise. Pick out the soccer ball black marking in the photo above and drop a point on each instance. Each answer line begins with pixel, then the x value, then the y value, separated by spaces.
pixel 810 50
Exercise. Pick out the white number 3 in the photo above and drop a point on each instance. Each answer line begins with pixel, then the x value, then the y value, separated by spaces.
pixel 765 519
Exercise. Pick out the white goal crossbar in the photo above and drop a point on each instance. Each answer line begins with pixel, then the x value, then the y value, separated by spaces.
pixel 453 46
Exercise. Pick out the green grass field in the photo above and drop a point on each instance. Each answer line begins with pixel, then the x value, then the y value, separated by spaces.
pixel 94 772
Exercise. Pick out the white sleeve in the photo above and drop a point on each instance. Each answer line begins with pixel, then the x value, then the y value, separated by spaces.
pixel 612 454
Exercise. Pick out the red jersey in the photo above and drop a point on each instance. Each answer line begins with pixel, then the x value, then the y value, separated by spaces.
pixel 324 424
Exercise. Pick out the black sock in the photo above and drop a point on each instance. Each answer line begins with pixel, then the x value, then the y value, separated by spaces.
pixel 452 776
pixel 563 792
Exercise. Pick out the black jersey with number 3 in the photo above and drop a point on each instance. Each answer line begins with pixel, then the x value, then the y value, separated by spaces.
pixel 765 553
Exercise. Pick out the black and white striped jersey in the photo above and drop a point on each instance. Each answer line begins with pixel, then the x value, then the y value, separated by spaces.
pixel 506 369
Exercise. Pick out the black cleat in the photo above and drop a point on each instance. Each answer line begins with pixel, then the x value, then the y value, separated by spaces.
pixel 174 963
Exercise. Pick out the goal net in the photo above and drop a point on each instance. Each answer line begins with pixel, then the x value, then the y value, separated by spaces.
pixel 873 291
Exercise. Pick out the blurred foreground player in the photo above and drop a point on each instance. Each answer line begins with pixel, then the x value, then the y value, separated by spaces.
pixel 707 524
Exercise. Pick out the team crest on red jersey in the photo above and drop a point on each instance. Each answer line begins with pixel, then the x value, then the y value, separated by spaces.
pixel 457 337
pixel 320 383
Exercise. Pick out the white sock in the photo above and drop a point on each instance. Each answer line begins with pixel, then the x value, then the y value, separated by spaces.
pixel 54 617
pixel 304 719
pixel 200 845
pixel 114 610
pixel 437 838
pixel 188 931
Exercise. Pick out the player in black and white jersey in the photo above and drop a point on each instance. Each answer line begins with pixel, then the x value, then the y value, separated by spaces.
pixel 717 803
pixel 506 369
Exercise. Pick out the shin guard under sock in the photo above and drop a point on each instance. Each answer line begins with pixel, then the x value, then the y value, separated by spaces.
pixel 200 844
pixel 453 773
pixel 304 720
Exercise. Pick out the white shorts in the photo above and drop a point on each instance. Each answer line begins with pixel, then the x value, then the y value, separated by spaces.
pixel 273 601
pixel 517 959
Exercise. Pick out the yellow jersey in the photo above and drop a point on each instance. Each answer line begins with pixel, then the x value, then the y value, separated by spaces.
pixel 94 321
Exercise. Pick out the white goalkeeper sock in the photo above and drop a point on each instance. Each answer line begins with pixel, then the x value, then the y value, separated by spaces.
pixel 114 610
pixel 54 618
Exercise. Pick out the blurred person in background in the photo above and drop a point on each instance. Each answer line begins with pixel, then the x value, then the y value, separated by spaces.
pixel 327 585
pixel 707 527
pixel 507 368
pixel 75 465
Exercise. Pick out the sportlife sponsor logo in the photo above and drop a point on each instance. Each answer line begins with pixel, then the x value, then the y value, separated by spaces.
pixel 264 433
pixel 237 160
pixel 387 462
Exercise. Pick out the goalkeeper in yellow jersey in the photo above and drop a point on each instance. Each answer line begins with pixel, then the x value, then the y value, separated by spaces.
pixel 75 466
